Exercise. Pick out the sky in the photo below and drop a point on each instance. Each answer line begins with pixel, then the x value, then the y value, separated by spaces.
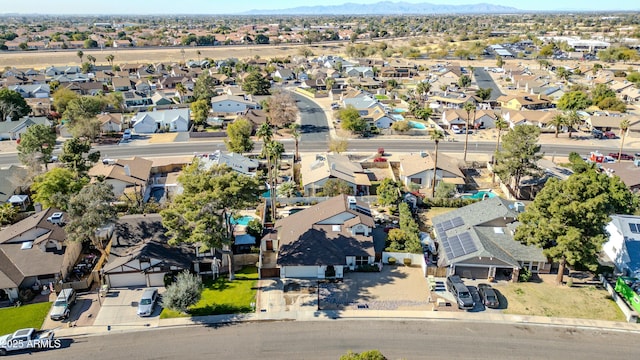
pixel 153 7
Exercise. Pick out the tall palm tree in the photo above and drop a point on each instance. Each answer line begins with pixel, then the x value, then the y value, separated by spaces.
pixel 624 126
pixel 423 89
pixel 181 90
pixel 468 107
pixel 109 59
pixel 557 121
pixel 273 150
pixel 265 133
pixel 295 132
pixel 436 136
pixel 500 124
pixel 572 119
pixel 80 55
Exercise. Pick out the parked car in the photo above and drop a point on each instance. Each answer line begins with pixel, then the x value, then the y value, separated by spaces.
pixel 623 156
pixel 609 159
pixel 147 302
pixel 488 296
pixel 126 135
pixel 463 296
pixel 609 135
pixel 61 308
pixel 26 339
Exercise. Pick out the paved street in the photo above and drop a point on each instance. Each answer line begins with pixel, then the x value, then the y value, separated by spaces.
pixel 313 121
pixel 484 81
pixel 406 339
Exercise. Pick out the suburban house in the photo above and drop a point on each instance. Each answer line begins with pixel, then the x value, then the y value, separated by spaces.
pixel 378 117
pixel 13 178
pixel 125 175
pixel 627 171
pixel 623 246
pixel 481 118
pixel 540 119
pixel 237 162
pixel 476 241
pixel 611 122
pixel 140 255
pixel 11 130
pixel 40 91
pixel 319 242
pixel 524 102
pixel 417 170
pixel 152 121
pixel 317 169
pixel 232 104
pixel 110 122
pixel 34 252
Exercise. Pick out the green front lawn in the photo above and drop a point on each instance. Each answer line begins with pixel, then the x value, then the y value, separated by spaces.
pixel 223 296
pixel 26 316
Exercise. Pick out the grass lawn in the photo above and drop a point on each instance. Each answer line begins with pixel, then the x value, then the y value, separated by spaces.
pixel 26 316
pixel 223 296
pixel 382 97
pixel 434 211
pixel 548 299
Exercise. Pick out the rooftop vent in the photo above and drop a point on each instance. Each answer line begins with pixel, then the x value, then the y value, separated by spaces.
pixel 26 245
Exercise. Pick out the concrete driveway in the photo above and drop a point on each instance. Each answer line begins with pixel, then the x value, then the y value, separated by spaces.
pixel 119 309
pixel 83 313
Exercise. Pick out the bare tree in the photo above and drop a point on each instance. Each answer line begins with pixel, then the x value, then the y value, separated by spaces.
pixel 282 109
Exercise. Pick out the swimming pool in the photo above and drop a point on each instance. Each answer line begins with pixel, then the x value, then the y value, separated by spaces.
pixel 480 195
pixel 417 125
pixel 399 110
pixel 242 220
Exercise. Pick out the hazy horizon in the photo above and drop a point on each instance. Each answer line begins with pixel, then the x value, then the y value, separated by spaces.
pixel 206 7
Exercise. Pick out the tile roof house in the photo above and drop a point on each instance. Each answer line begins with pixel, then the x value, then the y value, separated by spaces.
pixel 140 254
pixel 34 251
pixel 417 170
pixel 524 102
pixel 321 241
pixel 151 121
pixel 623 246
pixel 13 178
pixel 124 174
pixel 476 241
pixel 237 162
pixel 232 104
pixel 317 169
pixel 11 130
pixel 110 122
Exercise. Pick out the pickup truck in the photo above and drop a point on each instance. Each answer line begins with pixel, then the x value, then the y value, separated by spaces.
pixel 25 339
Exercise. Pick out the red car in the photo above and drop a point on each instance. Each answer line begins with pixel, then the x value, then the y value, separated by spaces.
pixel 623 156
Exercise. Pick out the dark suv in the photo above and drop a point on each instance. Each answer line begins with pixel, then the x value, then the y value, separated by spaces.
pixel 460 291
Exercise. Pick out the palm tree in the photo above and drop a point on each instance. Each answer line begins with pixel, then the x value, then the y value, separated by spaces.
pixel 80 55
pixel 572 119
pixel 624 126
pixel 295 132
pixel 274 151
pixel 436 136
pixel 109 59
pixel 423 89
pixel 91 59
pixel 500 124
pixel 557 121
pixel 181 90
pixel 468 107
pixel 265 133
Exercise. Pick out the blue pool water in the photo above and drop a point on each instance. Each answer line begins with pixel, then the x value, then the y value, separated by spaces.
pixel 242 221
pixel 417 125
pixel 480 195
pixel 399 110
pixel 397 117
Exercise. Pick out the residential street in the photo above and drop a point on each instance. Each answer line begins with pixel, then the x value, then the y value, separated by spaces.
pixel 407 339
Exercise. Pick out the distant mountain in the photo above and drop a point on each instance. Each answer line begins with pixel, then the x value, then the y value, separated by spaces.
pixel 389 8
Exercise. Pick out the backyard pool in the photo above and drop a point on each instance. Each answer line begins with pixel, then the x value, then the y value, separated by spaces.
pixel 480 195
pixel 242 220
pixel 417 125
pixel 399 110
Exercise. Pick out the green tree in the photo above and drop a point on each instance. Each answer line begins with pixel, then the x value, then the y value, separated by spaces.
pixel 183 293
pixel 436 136
pixel 200 111
pixel 624 126
pixel 84 107
pixel 601 92
pixel 90 210
pixel 109 59
pixel 407 238
pixel 444 190
pixel 401 126
pixel 204 88
pixel 202 213
pixel 571 120
pixel 8 213
pixel 256 84
pixel 55 187
pixel 464 81
pixel 351 119
pixel 239 136
pixel 468 108
pixel 295 133
pixel 62 97
pixel 567 218
pixel 519 155
pixel 255 228
pixel 80 55
pixel 499 61
pixel 12 105
pixel 574 100
pixel 365 355
pixel 334 187
pixel 288 189
pixel 484 94
pixel 38 140
pixel 77 155
pixel 557 121
pixel 388 192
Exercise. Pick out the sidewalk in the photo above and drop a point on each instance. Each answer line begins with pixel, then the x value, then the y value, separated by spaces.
pixel 346 315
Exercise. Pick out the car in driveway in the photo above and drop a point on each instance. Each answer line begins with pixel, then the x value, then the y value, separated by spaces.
pixel 147 302
pixel 456 286
pixel 623 156
pixel 488 296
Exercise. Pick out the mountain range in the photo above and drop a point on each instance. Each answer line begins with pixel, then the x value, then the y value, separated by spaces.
pixel 389 8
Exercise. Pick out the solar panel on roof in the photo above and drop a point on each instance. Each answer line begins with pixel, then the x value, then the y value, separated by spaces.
pixel 467 243
pixel 457 221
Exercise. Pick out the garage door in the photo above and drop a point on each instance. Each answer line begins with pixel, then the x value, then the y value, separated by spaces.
pixel 471 272
pixel 127 280
pixel 300 271
pixel 156 279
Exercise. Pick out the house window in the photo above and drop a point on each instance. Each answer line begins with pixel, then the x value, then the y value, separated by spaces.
pixel 362 260
pixel 416 181
pixel 534 267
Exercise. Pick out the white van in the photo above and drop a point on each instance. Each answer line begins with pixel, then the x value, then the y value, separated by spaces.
pixel 456 129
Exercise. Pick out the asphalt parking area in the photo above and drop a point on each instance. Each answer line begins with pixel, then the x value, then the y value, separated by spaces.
pixel 396 287
pixel 119 308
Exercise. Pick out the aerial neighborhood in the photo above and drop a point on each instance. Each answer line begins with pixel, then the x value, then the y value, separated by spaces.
pixel 317 166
